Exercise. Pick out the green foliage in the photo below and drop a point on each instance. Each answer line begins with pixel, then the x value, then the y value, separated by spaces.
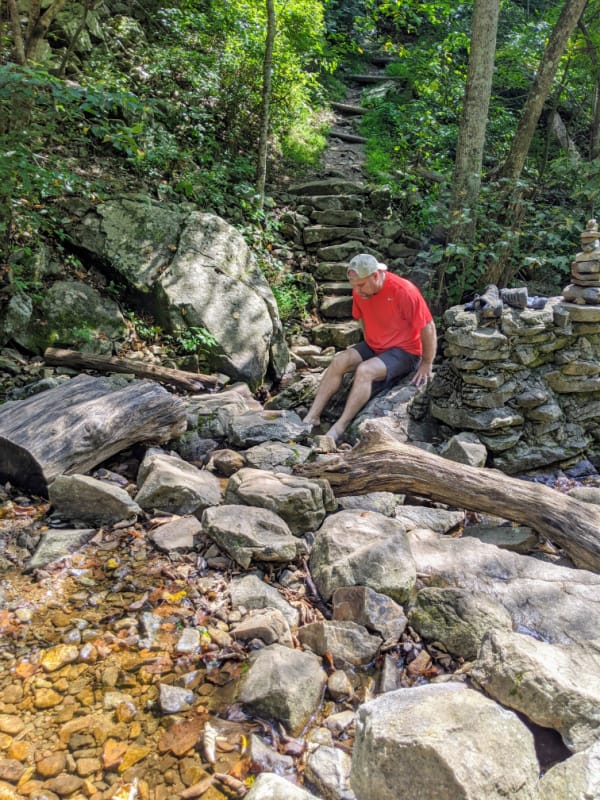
pixel 181 341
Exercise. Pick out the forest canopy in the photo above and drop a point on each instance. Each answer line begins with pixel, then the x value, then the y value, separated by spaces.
pixel 170 98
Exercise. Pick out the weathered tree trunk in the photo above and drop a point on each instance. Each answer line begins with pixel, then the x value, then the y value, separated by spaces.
pixel 80 424
pixel 380 463
pixel 189 381
pixel 571 12
pixel 261 168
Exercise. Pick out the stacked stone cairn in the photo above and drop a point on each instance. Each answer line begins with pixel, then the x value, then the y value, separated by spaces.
pixel 585 269
pixel 527 383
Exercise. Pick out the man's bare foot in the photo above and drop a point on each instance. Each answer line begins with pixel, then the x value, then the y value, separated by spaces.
pixel 335 432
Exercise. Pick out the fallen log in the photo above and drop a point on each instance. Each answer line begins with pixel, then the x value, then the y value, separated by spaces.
pixel 188 381
pixel 380 463
pixel 80 424
pixel 347 108
pixel 351 138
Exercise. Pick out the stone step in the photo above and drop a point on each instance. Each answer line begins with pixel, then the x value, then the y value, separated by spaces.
pixel 347 108
pixel 344 251
pixel 330 271
pixel 315 235
pixel 336 287
pixel 337 334
pixel 329 186
pixel 336 307
pixel 333 218
pixel 330 202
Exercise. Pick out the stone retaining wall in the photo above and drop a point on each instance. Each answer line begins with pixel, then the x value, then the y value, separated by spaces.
pixel 527 384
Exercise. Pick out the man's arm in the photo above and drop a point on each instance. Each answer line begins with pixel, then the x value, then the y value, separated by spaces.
pixel 429 344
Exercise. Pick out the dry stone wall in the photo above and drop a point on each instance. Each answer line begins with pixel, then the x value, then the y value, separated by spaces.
pixel 527 383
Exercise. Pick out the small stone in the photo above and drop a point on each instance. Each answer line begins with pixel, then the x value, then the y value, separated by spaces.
pixel 11 724
pixel 11 770
pixel 64 785
pixel 46 698
pixel 52 765
pixel 56 657
pixel 339 685
pixel 88 766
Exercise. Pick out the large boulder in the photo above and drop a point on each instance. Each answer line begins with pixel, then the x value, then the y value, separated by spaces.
pixel 444 740
pixel 196 270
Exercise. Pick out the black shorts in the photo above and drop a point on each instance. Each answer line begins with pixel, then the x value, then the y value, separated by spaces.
pixel 398 364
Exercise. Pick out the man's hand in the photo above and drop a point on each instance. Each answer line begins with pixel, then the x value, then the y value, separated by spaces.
pixel 423 374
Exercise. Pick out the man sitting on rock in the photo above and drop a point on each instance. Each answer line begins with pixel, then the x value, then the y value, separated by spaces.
pixel 399 334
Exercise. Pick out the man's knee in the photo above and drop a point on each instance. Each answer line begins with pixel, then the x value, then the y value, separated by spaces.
pixel 370 370
pixel 345 361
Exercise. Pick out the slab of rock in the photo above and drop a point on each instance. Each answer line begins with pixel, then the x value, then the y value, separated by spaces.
pixel 211 414
pixel 458 618
pixel 269 786
pixel 445 740
pixel 256 427
pixel 56 544
pixel 268 624
pixel 284 684
pixel 250 592
pixel 301 502
pixel 90 500
pixel 177 535
pixel 328 771
pixel 439 520
pixel 363 548
pixel 556 686
pixel 382 502
pixel 171 484
pixel 348 642
pixel 558 604
pixel 247 533
pixel 276 456
pixel 520 539
pixel 377 612
pixel 577 778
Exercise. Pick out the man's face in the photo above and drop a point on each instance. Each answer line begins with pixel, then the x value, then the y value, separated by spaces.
pixel 365 287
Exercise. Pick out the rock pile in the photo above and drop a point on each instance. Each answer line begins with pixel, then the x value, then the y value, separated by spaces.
pixel 585 269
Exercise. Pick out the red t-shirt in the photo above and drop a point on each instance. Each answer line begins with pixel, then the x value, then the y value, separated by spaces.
pixel 394 317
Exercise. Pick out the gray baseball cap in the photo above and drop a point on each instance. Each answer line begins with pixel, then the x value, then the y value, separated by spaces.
pixel 364 265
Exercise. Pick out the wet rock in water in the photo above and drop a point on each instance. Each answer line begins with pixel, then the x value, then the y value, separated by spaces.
pixel 266 759
pixel 11 724
pixel 268 786
pixel 247 533
pixel 328 771
pixel 171 484
pixel 268 625
pixel 56 544
pixel 11 770
pixel 458 618
pixel 285 684
pixel 348 643
pixel 377 612
pixel 443 739
pixel 577 778
pixel 173 699
pixel 301 502
pixel 56 657
pixel 556 686
pixel 357 548
pixel 250 592
pixel 339 685
pixel 93 501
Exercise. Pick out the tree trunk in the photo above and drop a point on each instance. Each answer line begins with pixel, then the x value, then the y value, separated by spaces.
pixel 78 425
pixel 471 135
pixel 569 17
pixel 261 170
pixel 188 381
pixel 380 463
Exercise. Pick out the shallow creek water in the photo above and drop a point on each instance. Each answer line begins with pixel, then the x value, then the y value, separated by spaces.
pixel 89 643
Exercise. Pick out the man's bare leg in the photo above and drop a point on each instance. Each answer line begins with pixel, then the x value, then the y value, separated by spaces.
pixel 366 373
pixel 343 362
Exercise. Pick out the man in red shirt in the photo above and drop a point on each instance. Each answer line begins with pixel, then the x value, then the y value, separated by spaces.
pixel 400 337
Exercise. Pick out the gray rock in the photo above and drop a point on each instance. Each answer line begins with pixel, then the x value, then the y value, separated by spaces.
pixel 173 699
pixel 211 414
pixel 56 544
pixel 95 502
pixel 276 456
pixel 250 591
pixel 247 533
pixel 465 448
pixel 382 502
pixel 377 612
pixel 445 740
pixel 458 618
pixel 519 539
pixel 266 759
pixel 439 520
pixel 363 548
pixel 268 786
pixel 177 535
pixel 577 778
pixel 171 484
pixel 284 684
pixel 557 604
pixel 301 502
pixel 256 427
pixel 328 771
pixel 556 686
pixel 268 624
pixel 348 642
